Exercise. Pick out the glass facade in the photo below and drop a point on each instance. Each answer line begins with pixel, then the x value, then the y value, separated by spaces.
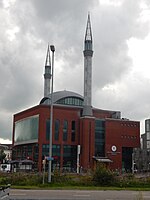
pixel 30 151
pixel 99 137
pixel 55 155
pixel 147 132
pixel 65 130
pixel 55 150
pixel 27 129
pixel 71 101
pixel 69 158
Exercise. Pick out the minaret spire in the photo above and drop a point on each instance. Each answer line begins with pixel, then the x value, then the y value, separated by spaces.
pixel 47 74
pixel 88 34
pixel 88 53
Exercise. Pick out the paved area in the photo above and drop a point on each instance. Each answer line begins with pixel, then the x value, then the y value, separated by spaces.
pixel 77 195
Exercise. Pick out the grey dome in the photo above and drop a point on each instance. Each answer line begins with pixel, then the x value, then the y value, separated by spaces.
pixel 62 97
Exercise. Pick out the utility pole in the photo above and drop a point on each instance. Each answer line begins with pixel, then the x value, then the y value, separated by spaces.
pixel 51 120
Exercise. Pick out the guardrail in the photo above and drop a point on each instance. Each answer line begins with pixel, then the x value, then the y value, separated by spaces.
pixel 4 192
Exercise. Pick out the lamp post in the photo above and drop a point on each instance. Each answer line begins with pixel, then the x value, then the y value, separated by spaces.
pixel 51 120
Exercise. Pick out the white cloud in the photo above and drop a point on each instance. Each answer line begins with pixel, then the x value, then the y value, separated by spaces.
pixel 3 141
pixel 139 51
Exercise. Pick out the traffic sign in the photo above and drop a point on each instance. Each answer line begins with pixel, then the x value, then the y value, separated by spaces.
pixel 49 158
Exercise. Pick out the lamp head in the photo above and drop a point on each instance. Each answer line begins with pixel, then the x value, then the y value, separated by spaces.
pixel 52 48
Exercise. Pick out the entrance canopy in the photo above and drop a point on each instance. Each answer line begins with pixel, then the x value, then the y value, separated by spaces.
pixel 21 162
pixel 102 159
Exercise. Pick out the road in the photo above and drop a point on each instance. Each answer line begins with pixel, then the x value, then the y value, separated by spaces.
pixel 77 195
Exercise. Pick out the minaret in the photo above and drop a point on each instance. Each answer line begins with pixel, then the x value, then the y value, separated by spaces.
pixel 88 53
pixel 47 75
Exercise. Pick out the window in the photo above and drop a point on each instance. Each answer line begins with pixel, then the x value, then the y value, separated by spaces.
pixel 55 150
pixel 69 158
pixel 99 138
pixel 55 155
pixel 73 130
pixel 27 129
pixel 57 124
pixel 36 152
pixel 65 130
pixel 47 129
pixel 45 150
pixel 71 101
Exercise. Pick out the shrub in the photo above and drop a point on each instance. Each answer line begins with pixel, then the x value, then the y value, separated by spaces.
pixel 103 176
pixel 21 179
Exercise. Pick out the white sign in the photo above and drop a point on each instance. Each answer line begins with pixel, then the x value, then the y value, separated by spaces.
pixel 113 148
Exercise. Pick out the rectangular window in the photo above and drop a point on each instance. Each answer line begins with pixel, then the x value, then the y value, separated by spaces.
pixel 73 131
pixel 55 155
pixel 99 138
pixel 36 152
pixel 27 129
pixel 65 130
pixel 55 150
pixel 147 125
pixel 47 129
pixel 69 158
pixel 57 124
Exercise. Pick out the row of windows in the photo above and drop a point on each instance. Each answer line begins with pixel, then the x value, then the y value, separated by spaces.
pixel 25 152
pixel 129 124
pixel 128 137
pixel 55 150
pixel 68 150
pixel 69 154
pixel 65 130
pixel 70 101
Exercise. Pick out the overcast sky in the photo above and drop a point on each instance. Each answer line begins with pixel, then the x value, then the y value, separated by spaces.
pixel 121 61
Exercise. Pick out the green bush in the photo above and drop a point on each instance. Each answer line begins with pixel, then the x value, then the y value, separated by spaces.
pixel 20 179
pixel 100 177
pixel 103 176
pixel 129 180
pixel 61 178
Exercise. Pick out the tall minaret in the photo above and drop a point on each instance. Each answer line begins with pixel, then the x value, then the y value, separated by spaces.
pixel 88 53
pixel 47 75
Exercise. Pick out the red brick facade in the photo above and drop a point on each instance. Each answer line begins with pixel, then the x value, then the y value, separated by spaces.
pixel 119 133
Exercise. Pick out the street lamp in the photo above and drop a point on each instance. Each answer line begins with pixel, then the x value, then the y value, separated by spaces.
pixel 51 120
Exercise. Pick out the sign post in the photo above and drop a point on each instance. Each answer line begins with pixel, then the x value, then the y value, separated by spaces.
pixel 78 159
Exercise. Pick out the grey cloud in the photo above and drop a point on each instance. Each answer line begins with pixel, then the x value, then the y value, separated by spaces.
pixel 114 28
pixel 62 23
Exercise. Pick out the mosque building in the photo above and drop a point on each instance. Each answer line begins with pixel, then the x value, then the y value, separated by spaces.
pixel 82 135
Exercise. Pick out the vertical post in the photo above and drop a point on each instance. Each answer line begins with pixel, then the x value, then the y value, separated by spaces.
pixel 51 120
pixel 133 162
pixel 78 159
pixel 44 162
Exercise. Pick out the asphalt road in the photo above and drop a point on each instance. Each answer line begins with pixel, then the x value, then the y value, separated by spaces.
pixel 77 195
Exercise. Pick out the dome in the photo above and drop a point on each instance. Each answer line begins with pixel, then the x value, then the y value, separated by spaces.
pixel 64 98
